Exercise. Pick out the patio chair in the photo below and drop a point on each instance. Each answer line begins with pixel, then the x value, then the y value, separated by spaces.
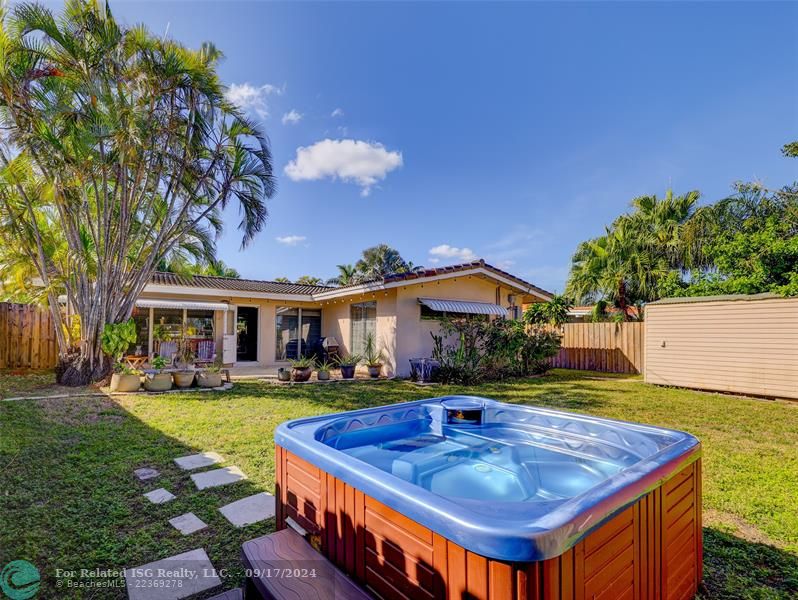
pixel 168 350
pixel 206 352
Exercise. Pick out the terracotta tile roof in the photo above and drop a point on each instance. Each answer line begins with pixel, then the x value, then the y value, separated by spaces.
pixel 434 271
pixel 235 285
pixel 274 287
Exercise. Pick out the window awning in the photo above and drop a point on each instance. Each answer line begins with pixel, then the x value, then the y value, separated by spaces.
pixel 180 304
pixel 461 306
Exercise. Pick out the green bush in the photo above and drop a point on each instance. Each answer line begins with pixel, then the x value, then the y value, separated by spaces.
pixel 473 349
pixel 117 338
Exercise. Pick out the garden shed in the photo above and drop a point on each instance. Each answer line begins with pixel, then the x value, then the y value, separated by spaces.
pixel 744 344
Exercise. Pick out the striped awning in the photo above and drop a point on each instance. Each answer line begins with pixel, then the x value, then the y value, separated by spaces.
pixel 462 306
pixel 180 304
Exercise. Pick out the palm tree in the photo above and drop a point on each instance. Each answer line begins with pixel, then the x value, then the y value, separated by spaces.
pixel 347 275
pixel 119 149
pixel 627 263
pixel 308 280
pixel 282 280
pixel 379 261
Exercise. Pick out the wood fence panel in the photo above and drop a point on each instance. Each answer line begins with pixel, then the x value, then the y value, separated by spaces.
pixel 27 337
pixel 607 347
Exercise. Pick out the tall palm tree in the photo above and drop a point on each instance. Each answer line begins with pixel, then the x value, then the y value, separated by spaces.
pixel 626 264
pixel 123 144
pixel 347 275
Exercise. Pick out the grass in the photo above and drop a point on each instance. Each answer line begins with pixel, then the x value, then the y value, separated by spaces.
pixel 68 498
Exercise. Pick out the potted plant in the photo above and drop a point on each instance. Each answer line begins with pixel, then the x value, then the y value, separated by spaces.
pixel 347 364
pixel 283 374
pixel 210 376
pixel 323 372
pixel 156 380
pixel 373 357
pixel 184 376
pixel 125 379
pixel 116 338
pixel 302 368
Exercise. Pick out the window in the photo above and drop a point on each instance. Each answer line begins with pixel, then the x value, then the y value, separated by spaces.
pixel 167 327
pixel 364 322
pixel 298 332
pixel 287 330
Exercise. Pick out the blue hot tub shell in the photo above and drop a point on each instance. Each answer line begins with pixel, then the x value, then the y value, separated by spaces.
pixel 524 484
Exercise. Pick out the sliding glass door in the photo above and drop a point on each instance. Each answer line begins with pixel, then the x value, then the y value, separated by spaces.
pixel 298 332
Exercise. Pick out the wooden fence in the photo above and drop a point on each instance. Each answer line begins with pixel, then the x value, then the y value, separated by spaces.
pixel 608 347
pixel 27 337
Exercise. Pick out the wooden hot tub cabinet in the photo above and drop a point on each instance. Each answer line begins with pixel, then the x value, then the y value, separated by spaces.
pixel 651 550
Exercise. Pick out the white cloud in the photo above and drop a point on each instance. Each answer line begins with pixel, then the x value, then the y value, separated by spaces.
pixel 290 240
pixel 338 112
pixel 253 98
pixel 448 252
pixel 292 117
pixel 364 163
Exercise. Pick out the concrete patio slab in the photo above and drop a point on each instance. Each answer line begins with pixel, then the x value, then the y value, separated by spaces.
pixel 172 578
pixel 217 477
pixel 159 496
pixel 187 523
pixel 249 510
pixel 146 473
pixel 195 461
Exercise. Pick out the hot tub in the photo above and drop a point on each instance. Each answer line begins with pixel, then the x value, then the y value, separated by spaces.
pixel 464 497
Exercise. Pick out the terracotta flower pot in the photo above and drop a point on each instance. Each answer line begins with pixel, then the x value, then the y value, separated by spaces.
pixel 125 383
pixel 375 371
pixel 347 371
pixel 323 375
pixel 209 380
pixel 158 382
pixel 183 379
pixel 302 374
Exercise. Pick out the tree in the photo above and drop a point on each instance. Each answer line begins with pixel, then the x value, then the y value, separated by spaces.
pixel 626 265
pixel 751 245
pixel 118 146
pixel 309 280
pixel 379 261
pixel 282 280
pixel 554 312
pixel 347 275
pixel 213 268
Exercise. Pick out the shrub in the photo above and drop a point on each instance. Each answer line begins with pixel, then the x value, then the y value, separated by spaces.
pixel 490 350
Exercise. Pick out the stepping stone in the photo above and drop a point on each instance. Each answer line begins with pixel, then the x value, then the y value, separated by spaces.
pixel 195 461
pixel 146 473
pixel 187 523
pixel 208 479
pixel 159 496
pixel 186 574
pixel 251 509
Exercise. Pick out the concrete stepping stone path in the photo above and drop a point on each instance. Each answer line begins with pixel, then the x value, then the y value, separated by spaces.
pixel 146 473
pixel 159 496
pixel 187 523
pixel 195 461
pixel 249 510
pixel 179 576
pixel 217 477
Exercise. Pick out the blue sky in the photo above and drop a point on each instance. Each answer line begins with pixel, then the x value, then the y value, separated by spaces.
pixel 509 131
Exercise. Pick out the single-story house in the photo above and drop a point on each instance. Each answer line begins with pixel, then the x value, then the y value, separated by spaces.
pixel 264 323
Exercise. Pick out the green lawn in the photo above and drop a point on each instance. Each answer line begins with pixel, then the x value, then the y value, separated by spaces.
pixel 68 498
